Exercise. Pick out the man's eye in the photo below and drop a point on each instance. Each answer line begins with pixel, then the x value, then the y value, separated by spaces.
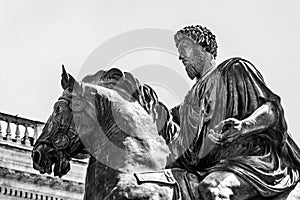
pixel 181 51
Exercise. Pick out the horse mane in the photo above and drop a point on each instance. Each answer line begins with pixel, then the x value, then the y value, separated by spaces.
pixel 132 89
pixel 127 86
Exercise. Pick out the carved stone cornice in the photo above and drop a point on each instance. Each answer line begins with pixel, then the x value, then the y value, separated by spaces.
pixel 42 180
pixel 18 179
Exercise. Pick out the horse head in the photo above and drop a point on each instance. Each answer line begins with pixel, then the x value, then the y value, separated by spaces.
pixel 110 109
pixel 59 141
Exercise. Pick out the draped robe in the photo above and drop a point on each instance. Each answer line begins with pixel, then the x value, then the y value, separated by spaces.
pixel 269 160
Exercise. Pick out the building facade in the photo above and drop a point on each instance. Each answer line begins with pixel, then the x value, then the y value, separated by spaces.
pixel 18 179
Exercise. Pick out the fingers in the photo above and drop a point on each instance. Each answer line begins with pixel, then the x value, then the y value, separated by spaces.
pixel 220 125
pixel 225 132
pixel 225 125
pixel 229 136
pixel 214 139
pixel 232 121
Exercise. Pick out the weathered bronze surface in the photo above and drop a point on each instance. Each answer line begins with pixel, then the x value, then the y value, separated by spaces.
pixel 116 109
pixel 227 140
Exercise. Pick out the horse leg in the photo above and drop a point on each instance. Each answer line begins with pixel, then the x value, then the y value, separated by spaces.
pixel 225 185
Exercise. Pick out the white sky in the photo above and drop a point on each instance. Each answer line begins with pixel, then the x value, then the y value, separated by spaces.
pixel 36 37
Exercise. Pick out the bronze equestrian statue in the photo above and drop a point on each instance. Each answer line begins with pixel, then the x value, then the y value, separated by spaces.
pixel 227 140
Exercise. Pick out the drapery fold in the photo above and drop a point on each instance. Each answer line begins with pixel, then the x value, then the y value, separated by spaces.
pixel 269 160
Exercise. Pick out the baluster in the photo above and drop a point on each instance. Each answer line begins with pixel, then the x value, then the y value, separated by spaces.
pixel 35 134
pixel 17 137
pixel 1 136
pixel 8 131
pixel 26 136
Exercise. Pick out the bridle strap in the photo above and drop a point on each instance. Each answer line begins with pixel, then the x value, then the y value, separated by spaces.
pixel 66 129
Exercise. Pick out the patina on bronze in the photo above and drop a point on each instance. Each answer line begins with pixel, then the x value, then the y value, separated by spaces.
pixel 91 116
pixel 228 139
pixel 232 125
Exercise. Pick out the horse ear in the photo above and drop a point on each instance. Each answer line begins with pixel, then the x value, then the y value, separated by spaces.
pixel 64 78
pixel 67 81
pixel 72 81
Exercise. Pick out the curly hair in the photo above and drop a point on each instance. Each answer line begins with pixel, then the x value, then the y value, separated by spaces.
pixel 201 35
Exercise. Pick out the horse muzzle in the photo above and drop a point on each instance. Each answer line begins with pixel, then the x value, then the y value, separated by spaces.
pixel 42 159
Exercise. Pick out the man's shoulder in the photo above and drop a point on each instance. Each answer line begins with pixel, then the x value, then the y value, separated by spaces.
pixel 238 65
pixel 234 63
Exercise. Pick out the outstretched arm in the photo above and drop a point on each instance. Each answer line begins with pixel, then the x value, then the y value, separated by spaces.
pixel 263 118
pixel 230 129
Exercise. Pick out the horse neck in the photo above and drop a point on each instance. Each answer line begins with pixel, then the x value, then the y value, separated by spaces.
pixel 100 179
pixel 134 144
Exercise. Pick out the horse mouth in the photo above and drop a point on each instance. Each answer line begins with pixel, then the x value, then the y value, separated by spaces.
pixel 40 164
pixel 44 162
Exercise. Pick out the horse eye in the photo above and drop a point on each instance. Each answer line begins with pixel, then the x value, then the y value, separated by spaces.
pixel 57 109
pixel 60 106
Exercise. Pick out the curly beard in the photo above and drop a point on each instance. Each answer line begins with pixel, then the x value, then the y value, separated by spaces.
pixel 194 67
pixel 191 72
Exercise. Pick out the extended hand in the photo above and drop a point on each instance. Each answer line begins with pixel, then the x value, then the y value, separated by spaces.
pixel 226 131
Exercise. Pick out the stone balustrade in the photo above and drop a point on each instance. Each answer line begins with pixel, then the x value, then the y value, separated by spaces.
pixel 18 179
pixel 30 129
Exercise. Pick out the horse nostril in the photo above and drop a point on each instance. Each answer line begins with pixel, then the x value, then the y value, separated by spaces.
pixel 36 156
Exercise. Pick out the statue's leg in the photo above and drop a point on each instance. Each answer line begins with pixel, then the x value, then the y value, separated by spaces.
pixel 226 185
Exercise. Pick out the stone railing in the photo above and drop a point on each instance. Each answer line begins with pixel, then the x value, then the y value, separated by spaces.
pixel 25 131
pixel 18 179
